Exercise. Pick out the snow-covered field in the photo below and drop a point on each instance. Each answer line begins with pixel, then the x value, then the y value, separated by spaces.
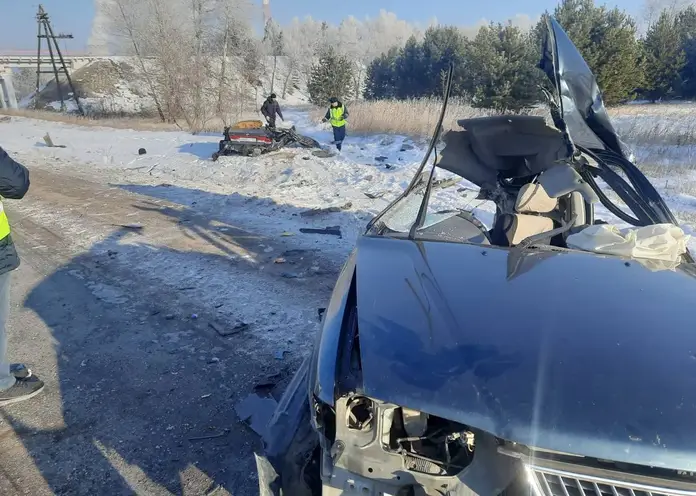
pixel 291 179
pixel 277 187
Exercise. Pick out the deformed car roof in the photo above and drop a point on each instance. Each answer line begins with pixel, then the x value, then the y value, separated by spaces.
pixel 582 107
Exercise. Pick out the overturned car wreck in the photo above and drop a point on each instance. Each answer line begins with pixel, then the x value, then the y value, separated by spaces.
pixel 533 357
pixel 252 138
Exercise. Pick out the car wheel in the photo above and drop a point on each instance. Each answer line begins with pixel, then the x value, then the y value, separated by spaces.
pixel 308 142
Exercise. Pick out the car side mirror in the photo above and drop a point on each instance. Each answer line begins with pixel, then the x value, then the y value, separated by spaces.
pixel 562 179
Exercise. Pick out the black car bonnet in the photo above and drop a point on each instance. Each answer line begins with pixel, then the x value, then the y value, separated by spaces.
pixel 581 104
pixel 576 353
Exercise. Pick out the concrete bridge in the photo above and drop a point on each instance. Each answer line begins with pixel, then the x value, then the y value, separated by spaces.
pixel 16 60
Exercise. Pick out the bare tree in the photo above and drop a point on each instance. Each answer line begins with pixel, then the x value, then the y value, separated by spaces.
pixel 653 8
pixel 273 47
pixel 363 41
pixel 231 44
pixel 124 15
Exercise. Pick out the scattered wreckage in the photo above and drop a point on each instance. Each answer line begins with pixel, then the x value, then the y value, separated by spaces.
pixel 252 138
pixel 552 354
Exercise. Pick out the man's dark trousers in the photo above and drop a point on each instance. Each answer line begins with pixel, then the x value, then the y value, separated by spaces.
pixel 339 133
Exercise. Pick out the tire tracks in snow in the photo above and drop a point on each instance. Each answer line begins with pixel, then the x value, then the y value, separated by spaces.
pixel 183 262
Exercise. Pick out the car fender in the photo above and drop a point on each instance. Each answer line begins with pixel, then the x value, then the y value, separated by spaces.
pixel 322 372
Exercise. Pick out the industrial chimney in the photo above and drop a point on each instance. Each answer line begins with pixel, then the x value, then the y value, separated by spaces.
pixel 266 11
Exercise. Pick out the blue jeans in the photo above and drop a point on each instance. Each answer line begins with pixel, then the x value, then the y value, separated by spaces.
pixel 339 135
pixel 6 378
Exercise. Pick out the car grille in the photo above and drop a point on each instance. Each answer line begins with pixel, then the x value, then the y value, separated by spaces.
pixel 551 482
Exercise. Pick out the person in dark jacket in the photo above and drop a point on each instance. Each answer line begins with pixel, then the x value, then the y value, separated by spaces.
pixel 16 381
pixel 270 108
pixel 337 115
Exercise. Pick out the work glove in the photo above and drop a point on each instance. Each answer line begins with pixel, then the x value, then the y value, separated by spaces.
pixel 324 119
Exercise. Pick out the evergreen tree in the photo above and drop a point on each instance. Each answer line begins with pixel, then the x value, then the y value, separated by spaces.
pixel 607 41
pixel 502 71
pixel 410 71
pixel 331 76
pixel 442 46
pixel 381 76
pixel 686 20
pixel 664 58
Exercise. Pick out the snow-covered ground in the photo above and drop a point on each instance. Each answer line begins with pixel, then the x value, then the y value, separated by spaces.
pixel 290 180
pixel 293 177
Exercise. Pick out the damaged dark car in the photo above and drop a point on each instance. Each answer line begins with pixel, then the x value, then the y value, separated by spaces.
pixel 552 353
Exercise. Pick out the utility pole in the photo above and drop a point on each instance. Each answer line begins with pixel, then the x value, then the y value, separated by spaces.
pixel 45 31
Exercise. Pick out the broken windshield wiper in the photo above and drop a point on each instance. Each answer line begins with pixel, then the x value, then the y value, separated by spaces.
pixel 423 210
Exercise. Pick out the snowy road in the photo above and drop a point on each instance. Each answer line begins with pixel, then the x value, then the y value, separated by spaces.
pixel 121 324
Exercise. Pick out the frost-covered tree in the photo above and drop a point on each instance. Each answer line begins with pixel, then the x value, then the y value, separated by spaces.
pixel 273 47
pixel 182 48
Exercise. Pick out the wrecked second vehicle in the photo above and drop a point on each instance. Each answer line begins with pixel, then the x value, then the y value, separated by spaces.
pixel 252 138
pixel 552 354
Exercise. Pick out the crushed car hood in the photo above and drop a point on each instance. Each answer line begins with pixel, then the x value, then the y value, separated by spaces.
pixel 578 353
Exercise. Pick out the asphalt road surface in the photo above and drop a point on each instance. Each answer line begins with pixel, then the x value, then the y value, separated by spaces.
pixel 140 388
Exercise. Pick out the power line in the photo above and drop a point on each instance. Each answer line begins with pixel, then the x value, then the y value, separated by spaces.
pixel 45 32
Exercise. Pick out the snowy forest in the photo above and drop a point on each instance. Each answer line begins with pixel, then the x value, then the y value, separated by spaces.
pixel 202 58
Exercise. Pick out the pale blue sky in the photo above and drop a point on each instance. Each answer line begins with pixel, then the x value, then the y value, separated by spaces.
pixel 18 24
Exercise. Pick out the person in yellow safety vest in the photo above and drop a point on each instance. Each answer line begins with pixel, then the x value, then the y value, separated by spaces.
pixel 16 381
pixel 337 115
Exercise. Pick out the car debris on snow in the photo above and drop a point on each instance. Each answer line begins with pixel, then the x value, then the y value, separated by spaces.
pixel 49 142
pixel 256 412
pixel 210 436
pixel 332 230
pixel 375 196
pixel 133 227
pixel 226 331
pixel 326 210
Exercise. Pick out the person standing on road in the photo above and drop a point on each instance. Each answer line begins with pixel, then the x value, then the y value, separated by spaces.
pixel 337 115
pixel 270 108
pixel 16 381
